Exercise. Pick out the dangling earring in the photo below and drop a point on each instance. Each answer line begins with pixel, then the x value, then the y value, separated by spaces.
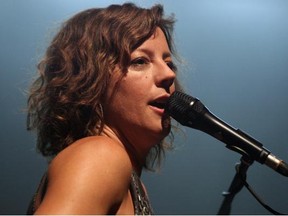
pixel 99 123
pixel 101 110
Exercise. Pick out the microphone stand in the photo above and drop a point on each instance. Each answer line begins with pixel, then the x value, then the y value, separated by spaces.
pixel 236 185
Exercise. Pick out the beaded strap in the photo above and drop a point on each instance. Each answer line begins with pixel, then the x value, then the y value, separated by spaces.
pixel 140 199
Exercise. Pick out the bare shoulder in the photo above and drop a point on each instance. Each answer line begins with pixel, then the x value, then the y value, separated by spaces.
pixel 96 153
pixel 92 176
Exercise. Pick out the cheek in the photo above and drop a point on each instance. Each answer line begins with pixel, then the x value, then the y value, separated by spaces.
pixel 127 93
pixel 128 90
pixel 134 86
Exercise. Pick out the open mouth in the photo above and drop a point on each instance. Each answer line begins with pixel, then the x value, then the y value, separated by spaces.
pixel 159 105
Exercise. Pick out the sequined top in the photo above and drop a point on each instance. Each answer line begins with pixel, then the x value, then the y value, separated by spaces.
pixel 140 199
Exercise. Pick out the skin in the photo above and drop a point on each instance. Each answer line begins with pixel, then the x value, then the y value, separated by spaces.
pixel 92 176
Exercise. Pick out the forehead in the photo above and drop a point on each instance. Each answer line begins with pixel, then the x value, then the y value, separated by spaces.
pixel 157 42
pixel 157 35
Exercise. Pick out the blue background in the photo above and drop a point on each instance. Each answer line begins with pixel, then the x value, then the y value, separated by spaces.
pixel 235 60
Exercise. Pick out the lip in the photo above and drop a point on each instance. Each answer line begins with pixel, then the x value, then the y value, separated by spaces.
pixel 161 99
pixel 158 110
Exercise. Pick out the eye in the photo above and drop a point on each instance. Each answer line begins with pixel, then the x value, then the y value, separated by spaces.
pixel 171 65
pixel 139 63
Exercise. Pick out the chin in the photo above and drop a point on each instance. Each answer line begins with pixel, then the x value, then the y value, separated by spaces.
pixel 165 132
pixel 159 135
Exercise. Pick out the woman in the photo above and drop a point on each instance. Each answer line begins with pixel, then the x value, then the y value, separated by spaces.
pixel 98 108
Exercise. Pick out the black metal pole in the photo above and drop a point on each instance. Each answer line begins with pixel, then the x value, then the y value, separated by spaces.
pixel 235 186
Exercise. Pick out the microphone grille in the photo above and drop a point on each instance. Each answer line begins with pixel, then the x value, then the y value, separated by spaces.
pixel 179 104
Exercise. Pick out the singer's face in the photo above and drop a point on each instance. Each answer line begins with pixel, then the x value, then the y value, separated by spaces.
pixel 134 109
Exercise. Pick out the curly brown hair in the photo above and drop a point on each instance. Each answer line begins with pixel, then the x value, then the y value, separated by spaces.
pixel 65 99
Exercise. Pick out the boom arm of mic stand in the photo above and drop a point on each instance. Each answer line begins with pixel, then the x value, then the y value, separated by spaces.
pixel 236 185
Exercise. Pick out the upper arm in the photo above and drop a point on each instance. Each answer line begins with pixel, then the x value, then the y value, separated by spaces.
pixel 89 177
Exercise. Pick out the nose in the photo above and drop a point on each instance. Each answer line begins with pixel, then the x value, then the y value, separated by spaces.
pixel 165 77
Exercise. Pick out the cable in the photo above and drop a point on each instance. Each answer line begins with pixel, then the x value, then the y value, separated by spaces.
pixel 254 194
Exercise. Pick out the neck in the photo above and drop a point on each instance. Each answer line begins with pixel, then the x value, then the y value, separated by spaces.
pixel 136 155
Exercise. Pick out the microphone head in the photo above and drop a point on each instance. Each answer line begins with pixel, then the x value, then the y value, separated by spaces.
pixel 183 108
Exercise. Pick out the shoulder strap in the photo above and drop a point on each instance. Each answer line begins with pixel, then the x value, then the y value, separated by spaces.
pixel 140 199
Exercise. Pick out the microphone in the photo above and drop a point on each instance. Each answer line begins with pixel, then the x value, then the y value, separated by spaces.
pixel 191 112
